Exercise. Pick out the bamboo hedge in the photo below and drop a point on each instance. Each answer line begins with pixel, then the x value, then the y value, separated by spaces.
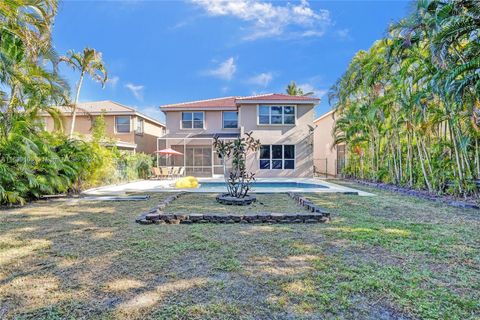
pixel 408 109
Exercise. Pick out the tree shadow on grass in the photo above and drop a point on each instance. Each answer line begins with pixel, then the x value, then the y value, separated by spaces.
pixel 91 260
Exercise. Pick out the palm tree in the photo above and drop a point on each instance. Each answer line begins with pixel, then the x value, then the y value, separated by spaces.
pixel 87 62
pixel 32 161
pixel 25 39
pixel 293 90
pixel 30 22
pixel 408 108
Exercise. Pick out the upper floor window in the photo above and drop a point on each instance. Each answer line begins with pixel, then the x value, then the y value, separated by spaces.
pixel 122 124
pixel 139 129
pixel 230 119
pixel 276 115
pixel 192 120
pixel 277 156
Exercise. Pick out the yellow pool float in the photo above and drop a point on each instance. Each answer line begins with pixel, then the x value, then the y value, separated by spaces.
pixel 186 183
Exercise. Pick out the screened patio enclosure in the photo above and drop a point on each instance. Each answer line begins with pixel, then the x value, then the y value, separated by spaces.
pixel 199 157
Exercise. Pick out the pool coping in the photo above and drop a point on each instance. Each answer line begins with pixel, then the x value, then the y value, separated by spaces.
pixel 159 186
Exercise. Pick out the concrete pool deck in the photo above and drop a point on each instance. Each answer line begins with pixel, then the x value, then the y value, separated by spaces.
pixel 168 186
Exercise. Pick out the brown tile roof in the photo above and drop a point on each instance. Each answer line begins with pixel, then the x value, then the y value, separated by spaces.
pixel 97 106
pixel 278 96
pixel 218 102
pixel 231 102
pixel 107 107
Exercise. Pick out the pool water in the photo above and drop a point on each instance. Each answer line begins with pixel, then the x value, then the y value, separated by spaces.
pixel 264 185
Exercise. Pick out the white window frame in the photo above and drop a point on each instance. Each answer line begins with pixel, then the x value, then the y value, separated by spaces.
pixel 142 128
pixel 192 112
pixel 270 115
pixel 129 124
pixel 282 159
pixel 223 119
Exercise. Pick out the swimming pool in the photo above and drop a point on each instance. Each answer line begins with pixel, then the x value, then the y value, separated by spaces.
pixel 209 185
pixel 261 186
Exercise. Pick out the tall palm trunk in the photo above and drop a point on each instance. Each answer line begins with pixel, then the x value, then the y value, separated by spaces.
pixel 410 160
pixel 422 164
pixel 77 95
pixel 477 158
pixel 457 157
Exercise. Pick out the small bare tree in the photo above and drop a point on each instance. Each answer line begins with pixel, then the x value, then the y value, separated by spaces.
pixel 238 179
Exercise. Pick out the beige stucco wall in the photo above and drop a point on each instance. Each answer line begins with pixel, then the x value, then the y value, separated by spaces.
pixel 213 122
pixel 324 153
pixel 297 135
pixel 146 143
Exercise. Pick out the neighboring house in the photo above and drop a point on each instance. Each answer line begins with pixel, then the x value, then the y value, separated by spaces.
pixel 328 158
pixel 127 128
pixel 282 123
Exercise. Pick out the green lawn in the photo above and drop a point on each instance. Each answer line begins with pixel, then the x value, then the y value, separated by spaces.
pixel 206 203
pixel 383 257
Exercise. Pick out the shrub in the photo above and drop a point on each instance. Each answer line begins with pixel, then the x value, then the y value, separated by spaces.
pixel 34 163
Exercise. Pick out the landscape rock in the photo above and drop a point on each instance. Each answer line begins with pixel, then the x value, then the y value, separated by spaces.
pixel 152 216
pixel 157 216
pixel 145 221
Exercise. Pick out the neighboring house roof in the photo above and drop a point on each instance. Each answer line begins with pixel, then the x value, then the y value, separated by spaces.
pixel 324 115
pixel 110 142
pixel 106 107
pixel 231 103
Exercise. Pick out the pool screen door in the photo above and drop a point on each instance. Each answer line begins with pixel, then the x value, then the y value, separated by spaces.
pixel 198 161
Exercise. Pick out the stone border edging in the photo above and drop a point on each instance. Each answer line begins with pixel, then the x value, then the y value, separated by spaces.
pixel 232 201
pixel 157 216
pixel 307 204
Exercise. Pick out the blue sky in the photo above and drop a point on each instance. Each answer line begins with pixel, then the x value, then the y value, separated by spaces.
pixel 160 52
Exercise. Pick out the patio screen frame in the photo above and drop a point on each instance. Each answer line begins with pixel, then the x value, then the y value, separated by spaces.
pixel 184 142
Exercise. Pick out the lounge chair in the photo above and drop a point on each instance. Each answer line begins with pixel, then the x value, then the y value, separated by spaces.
pixel 181 172
pixel 174 172
pixel 156 174
pixel 165 172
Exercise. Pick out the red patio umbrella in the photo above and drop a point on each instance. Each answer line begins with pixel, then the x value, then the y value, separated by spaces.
pixel 169 151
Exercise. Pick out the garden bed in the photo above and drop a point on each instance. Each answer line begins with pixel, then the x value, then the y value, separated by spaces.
pixel 206 203
pixel 271 208
pixel 470 203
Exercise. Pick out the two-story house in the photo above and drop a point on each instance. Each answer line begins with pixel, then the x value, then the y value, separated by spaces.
pixel 126 128
pixel 282 123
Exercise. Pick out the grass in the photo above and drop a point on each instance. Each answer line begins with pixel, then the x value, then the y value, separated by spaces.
pixel 206 203
pixel 389 257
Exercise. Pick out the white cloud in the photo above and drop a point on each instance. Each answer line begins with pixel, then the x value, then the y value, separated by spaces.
pixel 307 87
pixel 262 79
pixel 271 20
pixel 343 34
pixel 113 81
pixel 225 70
pixel 137 90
